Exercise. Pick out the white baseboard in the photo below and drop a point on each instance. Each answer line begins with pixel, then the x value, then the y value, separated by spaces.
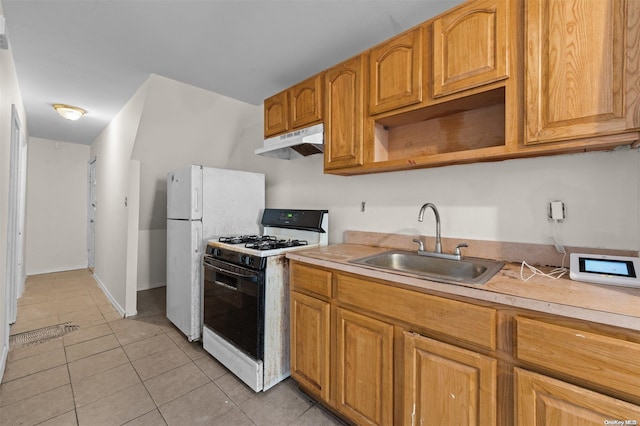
pixel 149 286
pixel 3 360
pixel 60 269
pixel 106 292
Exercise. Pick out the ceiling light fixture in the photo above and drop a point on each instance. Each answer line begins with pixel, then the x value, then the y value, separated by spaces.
pixel 69 112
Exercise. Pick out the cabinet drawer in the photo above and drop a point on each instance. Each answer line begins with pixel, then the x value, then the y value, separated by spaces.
pixel 310 280
pixel 464 321
pixel 601 360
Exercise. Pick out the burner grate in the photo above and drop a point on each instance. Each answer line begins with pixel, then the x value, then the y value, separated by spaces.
pixel 246 239
pixel 275 244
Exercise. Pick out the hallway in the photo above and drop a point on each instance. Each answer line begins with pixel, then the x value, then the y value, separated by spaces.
pixel 134 371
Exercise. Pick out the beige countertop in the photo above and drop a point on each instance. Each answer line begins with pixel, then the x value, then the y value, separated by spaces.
pixel 613 305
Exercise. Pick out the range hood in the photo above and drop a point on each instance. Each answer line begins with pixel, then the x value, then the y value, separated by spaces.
pixel 296 144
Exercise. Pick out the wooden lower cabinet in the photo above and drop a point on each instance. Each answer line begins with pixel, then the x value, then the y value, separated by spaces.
pixel 364 367
pixel 366 349
pixel 541 400
pixel 310 345
pixel 447 385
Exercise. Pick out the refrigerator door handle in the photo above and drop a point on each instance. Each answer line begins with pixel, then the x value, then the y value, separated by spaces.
pixel 198 241
pixel 195 200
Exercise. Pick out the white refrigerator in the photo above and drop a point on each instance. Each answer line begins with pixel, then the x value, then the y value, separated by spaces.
pixel 204 203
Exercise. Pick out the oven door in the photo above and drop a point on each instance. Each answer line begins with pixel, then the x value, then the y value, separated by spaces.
pixel 234 305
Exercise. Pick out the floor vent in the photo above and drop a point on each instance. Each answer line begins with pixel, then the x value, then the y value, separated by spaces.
pixel 41 335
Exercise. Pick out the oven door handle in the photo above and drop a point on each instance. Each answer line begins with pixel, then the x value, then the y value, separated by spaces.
pixel 252 278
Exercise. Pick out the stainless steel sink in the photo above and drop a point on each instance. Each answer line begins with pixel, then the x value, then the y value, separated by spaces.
pixel 469 270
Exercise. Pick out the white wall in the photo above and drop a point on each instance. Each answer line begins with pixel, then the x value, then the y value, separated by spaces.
pixel 499 201
pixel 57 199
pixel 9 94
pixel 112 149
pixel 180 125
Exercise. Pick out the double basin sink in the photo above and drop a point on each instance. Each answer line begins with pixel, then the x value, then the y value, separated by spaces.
pixel 467 270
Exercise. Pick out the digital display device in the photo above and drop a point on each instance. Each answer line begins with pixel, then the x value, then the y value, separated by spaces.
pixel 603 269
pixel 611 267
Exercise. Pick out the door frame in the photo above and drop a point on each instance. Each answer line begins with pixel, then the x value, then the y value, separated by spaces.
pixel 16 221
pixel 91 213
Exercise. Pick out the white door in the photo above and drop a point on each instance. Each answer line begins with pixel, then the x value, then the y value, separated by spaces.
pixel 15 231
pixel 184 193
pixel 91 214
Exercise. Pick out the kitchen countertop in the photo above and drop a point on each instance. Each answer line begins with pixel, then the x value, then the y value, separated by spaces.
pixel 612 305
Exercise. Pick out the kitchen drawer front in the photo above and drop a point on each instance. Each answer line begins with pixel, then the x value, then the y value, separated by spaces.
pixel 602 360
pixel 460 320
pixel 310 280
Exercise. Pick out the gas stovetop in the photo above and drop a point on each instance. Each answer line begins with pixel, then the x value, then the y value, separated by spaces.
pixel 263 242
pixel 284 230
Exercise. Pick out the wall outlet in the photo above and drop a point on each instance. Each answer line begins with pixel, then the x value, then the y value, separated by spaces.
pixel 556 211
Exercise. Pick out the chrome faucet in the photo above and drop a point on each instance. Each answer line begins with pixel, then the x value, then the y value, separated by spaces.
pixel 457 255
pixel 435 212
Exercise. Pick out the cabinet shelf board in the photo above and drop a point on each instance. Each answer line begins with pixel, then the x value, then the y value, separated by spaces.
pixel 470 130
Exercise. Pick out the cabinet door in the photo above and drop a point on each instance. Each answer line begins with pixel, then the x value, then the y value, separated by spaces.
pixel 343 115
pixel 470 46
pixel 395 72
pixel 575 68
pixel 541 400
pixel 447 385
pixel 306 102
pixel 310 344
pixel 276 114
pixel 364 363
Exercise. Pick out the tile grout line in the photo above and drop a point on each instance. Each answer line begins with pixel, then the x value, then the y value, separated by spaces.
pixel 75 405
pixel 73 395
pixel 157 407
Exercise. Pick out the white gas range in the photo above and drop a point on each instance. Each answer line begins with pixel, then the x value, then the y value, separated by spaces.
pixel 246 294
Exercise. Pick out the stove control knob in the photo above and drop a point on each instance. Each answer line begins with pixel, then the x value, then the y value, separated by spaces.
pixel 216 252
pixel 247 260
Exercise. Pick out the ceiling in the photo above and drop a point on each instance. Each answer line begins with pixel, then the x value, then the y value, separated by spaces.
pixel 95 54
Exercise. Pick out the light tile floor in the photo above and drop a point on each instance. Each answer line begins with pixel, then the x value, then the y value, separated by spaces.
pixel 133 371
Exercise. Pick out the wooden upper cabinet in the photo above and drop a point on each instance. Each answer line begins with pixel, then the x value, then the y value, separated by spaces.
pixel 470 46
pixel 296 107
pixel 582 66
pixel 276 114
pixel 343 130
pixel 396 73
pixel 306 102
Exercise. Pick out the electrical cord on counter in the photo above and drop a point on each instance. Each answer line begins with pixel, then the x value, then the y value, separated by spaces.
pixel 554 274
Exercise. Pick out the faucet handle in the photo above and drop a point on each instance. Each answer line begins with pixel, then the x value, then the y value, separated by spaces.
pixel 421 248
pixel 458 247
